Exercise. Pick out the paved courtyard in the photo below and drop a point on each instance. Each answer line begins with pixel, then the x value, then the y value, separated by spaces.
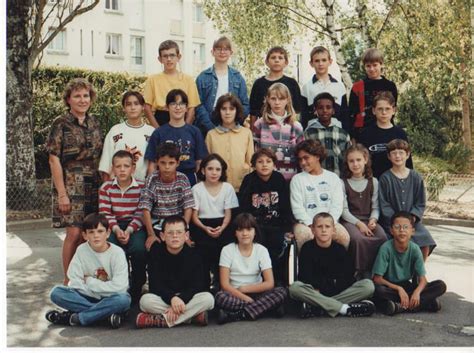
pixel 34 266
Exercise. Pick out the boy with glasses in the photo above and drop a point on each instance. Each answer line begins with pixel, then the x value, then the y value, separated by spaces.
pixel 217 80
pixel 187 137
pixel 159 85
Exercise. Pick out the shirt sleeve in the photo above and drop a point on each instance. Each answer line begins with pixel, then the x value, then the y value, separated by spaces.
pixel 195 190
pixel 243 96
pixel 419 196
pixel 201 149
pixel 375 212
pixel 337 200
pixel 105 164
pixel 250 148
pixel 381 261
pixel 255 99
pixel 105 205
pixel 419 265
pixel 297 201
pixel 153 142
pixel 188 199
pixel 149 92
pixel 147 199
pixel 75 273
pixel 230 200
pixel 346 213
pixel 257 131
pixel 193 94
pixel 54 143
pixel 264 260
pixel 225 259
pixel 384 197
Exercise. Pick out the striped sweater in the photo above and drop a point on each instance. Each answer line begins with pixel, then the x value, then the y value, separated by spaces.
pixel 121 207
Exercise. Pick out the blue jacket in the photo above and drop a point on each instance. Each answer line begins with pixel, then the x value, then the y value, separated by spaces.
pixel 206 84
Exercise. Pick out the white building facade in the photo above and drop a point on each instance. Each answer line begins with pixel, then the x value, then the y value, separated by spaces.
pixel 124 35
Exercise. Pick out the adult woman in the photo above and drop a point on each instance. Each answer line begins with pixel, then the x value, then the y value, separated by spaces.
pixel 74 146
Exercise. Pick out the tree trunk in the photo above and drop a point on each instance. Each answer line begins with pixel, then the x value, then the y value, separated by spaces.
pixel 336 44
pixel 20 159
pixel 466 110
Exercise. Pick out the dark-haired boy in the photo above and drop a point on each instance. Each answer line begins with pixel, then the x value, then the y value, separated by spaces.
pixel 326 281
pixel 264 193
pixel 364 91
pixel 398 262
pixel 118 200
pixel 187 137
pixel 167 192
pixel 328 130
pixel 177 287
pixel 322 81
pixel 158 86
pixel 217 80
pixel 98 280
pixel 276 60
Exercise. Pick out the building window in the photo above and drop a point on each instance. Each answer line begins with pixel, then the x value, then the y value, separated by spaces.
pixel 59 41
pixel 113 44
pixel 199 55
pixel 198 13
pixel 112 5
pixel 136 49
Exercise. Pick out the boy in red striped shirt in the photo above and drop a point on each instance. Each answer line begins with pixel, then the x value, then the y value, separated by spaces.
pixel 118 200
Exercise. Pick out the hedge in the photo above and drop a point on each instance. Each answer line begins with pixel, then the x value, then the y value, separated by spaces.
pixel 48 86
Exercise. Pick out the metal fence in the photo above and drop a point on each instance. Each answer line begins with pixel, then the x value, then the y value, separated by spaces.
pixel 450 196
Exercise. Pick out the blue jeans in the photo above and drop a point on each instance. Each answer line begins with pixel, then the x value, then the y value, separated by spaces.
pixel 89 309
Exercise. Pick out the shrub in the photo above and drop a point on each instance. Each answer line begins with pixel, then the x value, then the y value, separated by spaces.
pixel 48 85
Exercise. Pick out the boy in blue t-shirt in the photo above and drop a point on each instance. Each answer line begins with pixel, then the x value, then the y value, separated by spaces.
pixel 187 137
pixel 398 261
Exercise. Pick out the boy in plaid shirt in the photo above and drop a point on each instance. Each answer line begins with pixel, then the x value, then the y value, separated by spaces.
pixel 327 129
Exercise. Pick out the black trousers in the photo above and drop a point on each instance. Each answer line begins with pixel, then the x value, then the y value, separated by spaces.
pixel 432 291
pixel 273 238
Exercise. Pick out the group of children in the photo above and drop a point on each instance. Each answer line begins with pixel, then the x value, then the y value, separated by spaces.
pixel 204 204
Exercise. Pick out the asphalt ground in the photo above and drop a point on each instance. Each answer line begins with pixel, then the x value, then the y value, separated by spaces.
pixel 34 267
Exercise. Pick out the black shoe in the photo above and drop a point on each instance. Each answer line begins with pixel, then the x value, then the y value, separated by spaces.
pixel 431 306
pixel 279 311
pixel 308 310
pixel 363 308
pixel 225 316
pixel 74 320
pixel 59 317
pixel 392 308
pixel 115 320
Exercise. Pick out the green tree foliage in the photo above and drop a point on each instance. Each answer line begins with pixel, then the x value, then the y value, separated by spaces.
pixel 48 87
pixel 253 27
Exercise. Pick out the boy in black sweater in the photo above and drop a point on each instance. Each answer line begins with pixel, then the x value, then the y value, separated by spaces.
pixel 264 193
pixel 326 277
pixel 175 276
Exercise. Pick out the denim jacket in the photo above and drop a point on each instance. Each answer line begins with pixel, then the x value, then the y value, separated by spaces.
pixel 206 84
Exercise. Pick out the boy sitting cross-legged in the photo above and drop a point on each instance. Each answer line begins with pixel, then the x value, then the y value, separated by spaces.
pixel 98 280
pixel 118 200
pixel 398 261
pixel 175 274
pixel 326 277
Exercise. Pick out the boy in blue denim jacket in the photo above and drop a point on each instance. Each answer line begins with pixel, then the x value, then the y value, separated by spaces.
pixel 217 80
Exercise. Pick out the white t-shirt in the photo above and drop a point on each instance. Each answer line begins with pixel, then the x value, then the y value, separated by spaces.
pixel 313 194
pixel 245 270
pixel 222 86
pixel 118 138
pixel 214 206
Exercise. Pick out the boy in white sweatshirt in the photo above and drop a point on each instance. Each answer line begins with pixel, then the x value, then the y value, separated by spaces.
pixel 98 280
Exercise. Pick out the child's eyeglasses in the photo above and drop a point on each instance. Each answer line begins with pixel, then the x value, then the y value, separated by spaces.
pixel 177 105
pixel 400 226
pixel 222 50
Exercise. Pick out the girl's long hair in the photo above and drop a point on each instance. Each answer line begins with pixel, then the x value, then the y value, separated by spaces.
pixel 346 172
pixel 281 91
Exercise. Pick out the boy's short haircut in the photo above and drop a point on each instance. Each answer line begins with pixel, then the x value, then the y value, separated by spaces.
pixel 168 44
pixel 122 154
pixel 246 221
pixel 267 152
pixel 384 96
pixel 75 84
pixel 205 162
pixel 323 215
pixel 324 95
pixel 234 101
pixel 173 220
pixel 372 55
pixel 171 96
pixel 402 214
pixel 168 149
pixel 277 49
pixel 313 147
pixel 222 42
pixel 318 50
pixel 92 221
pixel 398 144
pixel 138 95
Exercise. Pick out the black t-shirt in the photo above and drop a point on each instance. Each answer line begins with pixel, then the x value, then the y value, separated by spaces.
pixel 175 275
pixel 259 91
pixel 268 201
pixel 375 140
pixel 329 270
